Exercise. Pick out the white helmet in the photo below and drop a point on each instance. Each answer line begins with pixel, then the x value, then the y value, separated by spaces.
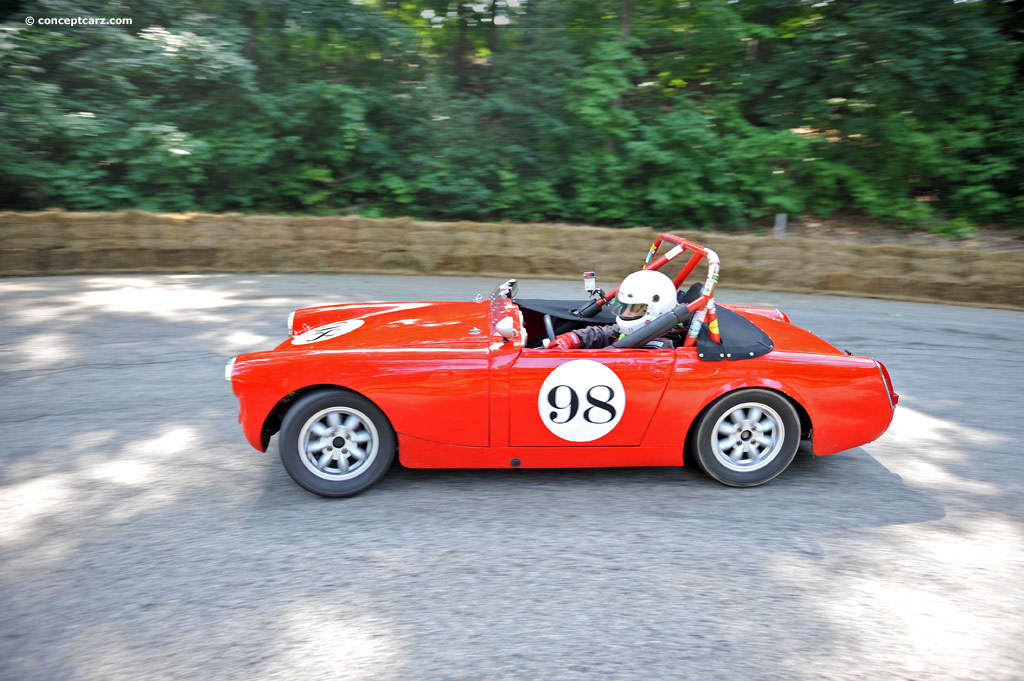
pixel 643 297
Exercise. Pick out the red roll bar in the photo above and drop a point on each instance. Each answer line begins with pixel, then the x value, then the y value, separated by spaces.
pixel 704 307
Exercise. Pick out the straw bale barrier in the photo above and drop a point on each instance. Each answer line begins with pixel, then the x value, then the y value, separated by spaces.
pixel 58 242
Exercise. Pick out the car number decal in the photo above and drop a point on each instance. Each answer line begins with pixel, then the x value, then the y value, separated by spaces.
pixel 327 331
pixel 581 400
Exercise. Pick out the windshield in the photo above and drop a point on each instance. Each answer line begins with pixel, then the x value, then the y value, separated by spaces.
pixel 501 304
pixel 506 289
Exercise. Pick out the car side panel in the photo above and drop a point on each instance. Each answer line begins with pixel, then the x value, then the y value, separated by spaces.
pixel 852 411
pixel 844 396
pixel 643 374
pixel 416 453
pixel 438 394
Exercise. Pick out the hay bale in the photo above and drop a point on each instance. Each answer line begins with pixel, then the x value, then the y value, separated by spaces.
pixel 208 231
pixel 60 261
pixel 108 260
pixel 32 230
pixel 184 259
pixel 324 234
pixel 882 263
pixel 21 261
pixel 243 258
pixel 830 257
pixel 58 242
pixel 746 275
pixel 734 250
pixel 998 269
pixel 939 265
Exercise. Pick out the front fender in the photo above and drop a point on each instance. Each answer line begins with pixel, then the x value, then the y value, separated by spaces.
pixel 436 394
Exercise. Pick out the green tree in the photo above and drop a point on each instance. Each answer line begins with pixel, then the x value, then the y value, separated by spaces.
pixel 668 113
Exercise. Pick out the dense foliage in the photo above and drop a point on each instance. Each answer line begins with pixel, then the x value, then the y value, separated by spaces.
pixel 673 113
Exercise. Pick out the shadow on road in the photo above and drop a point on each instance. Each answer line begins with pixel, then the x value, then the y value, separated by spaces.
pixel 815 495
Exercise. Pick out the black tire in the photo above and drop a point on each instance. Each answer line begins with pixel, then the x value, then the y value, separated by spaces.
pixel 690 457
pixel 342 425
pixel 738 447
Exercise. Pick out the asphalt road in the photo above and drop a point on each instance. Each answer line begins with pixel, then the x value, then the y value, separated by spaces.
pixel 142 538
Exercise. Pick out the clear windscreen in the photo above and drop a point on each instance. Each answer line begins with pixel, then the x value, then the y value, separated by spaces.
pixel 499 297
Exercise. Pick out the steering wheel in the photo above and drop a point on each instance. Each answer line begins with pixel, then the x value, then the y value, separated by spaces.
pixel 549 327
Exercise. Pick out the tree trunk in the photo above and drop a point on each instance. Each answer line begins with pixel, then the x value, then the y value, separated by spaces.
pixel 249 49
pixel 492 36
pixel 625 20
pixel 459 51
pixel 625 23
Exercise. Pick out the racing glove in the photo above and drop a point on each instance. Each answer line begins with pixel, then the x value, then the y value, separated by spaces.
pixel 566 341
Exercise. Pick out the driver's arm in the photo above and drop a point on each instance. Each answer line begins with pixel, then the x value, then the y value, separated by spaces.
pixel 588 337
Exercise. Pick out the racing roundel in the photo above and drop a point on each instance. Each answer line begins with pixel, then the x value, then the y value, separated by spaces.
pixel 581 400
pixel 327 331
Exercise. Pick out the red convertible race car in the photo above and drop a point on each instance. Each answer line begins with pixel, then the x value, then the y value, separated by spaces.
pixel 492 383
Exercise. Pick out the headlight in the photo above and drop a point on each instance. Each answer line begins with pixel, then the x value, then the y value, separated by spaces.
pixel 291 318
pixel 228 370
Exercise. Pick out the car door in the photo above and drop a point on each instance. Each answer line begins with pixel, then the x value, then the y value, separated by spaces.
pixel 579 398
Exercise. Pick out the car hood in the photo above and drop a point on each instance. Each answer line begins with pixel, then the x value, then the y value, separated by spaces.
pixel 377 325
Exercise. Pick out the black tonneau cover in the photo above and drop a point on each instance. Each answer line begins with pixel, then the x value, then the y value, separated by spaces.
pixel 566 309
pixel 741 339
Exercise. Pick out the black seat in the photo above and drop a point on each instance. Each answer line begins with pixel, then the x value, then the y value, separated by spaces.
pixel 692 293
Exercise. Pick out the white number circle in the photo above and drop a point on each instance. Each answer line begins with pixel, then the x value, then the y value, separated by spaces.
pixel 581 400
pixel 327 332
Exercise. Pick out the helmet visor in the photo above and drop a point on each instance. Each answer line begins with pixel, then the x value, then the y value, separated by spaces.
pixel 628 311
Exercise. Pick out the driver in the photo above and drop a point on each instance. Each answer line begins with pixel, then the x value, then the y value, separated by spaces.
pixel 643 297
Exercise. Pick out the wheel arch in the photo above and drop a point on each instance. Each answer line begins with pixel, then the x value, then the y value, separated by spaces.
pixel 806 426
pixel 272 423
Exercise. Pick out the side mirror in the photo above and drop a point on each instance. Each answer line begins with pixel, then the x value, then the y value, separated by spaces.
pixel 506 326
pixel 590 282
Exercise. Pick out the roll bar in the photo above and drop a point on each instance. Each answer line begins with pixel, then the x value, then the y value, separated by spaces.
pixel 703 308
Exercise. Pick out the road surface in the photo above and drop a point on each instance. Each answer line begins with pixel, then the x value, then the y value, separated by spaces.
pixel 142 538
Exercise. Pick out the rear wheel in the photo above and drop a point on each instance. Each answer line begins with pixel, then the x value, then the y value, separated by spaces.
pixel 336 443
pixel 747 437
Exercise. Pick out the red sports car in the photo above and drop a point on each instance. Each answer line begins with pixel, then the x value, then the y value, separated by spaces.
pixel 483 384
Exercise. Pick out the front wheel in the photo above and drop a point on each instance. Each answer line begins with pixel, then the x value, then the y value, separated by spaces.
pixel 336 443
pixel 747 437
